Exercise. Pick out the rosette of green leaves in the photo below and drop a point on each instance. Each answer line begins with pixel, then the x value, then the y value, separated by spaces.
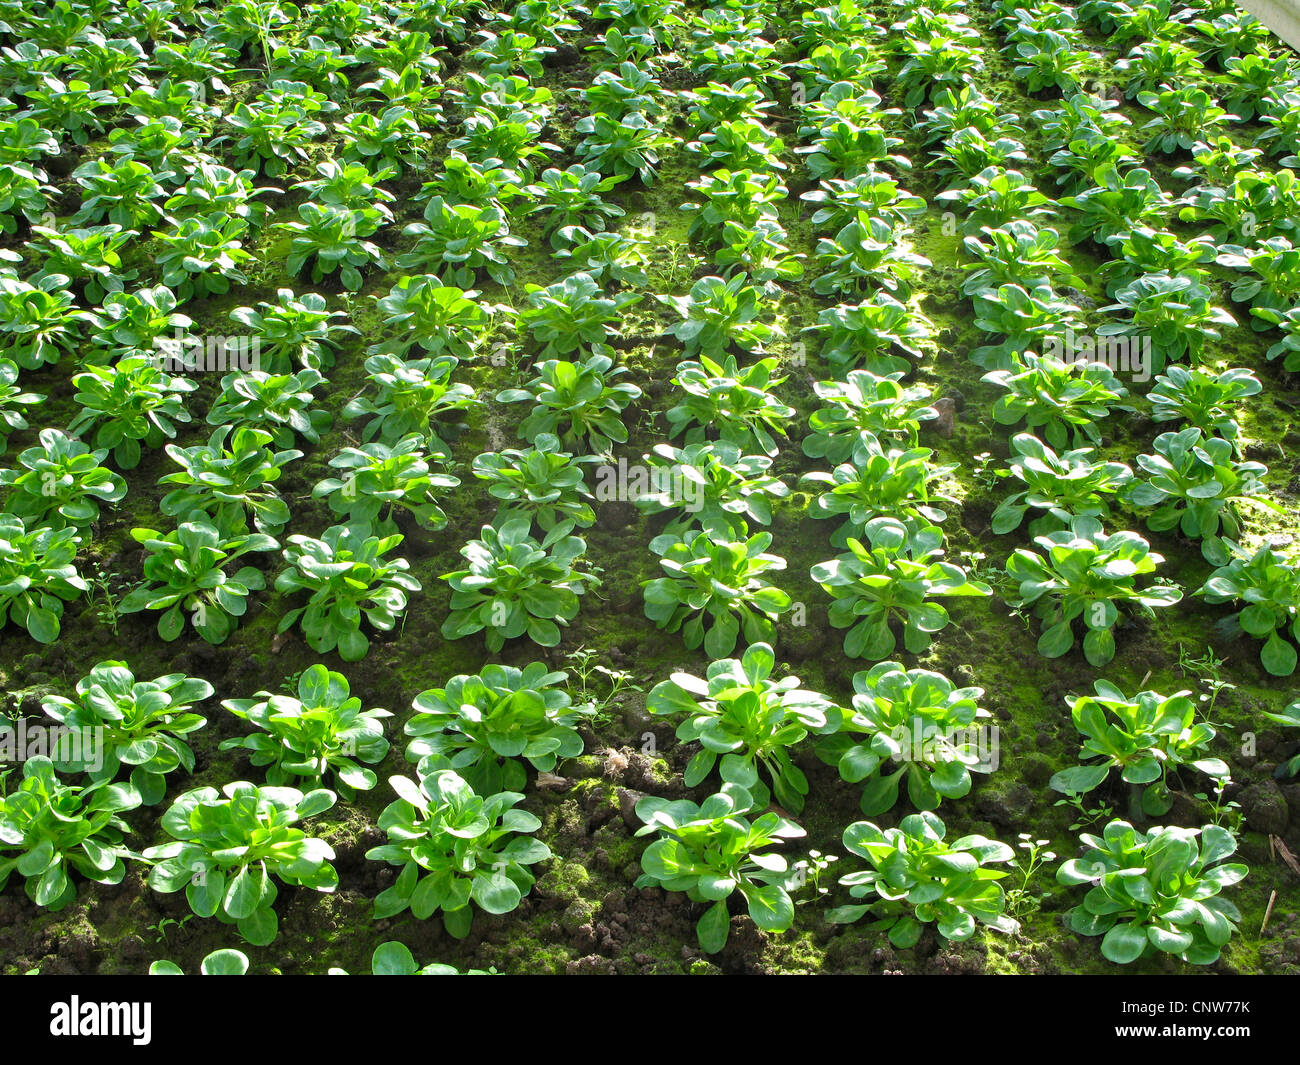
pixel 727 488
pixel 455 847
pixel 322 730
pixel 1083 572
pixel 91 257
pixel 38 573
pixel 483 725
pixel 913 716
pixel 225 482
pixel 376 480
pixel 1194 483
pixel 1017 253
pixel 39 319
pixel 871 333
pixel 229 847
pixel 280 403
pixel 578 402
pixel 713 850
pixel 543 482
pixel 128 403
pixel 1288 348
pixel 515 585
pixel 1067 399
pixel 1156 891
pixel 349 579
pixel 893 576
pixel 922 878
pixel 1268 582
pixel 137 321
pixel 414 396
pixel 457 240
pixel 1116 203
pixel 869 253
pixel 184 572
pixel 57 829
pixel 1146 736
pixel 12 399
pixel 737 404
pixel 572 315
pixel 330 236
pixel 61 481
pixel 996 196
pixel 1271 276
pixel 718 584
pixel 877 481
pixel 744 720
pixel 1203 398
pixel 136 723
pixel 1183 116
pixel 1023 319
pixel 441 319
pixel 1060 487
pixel 572 197
pixel 1253 205
pixel 626 146
pixel 865 402
pixel 202 256
pixel 871 190
pixel 718 313
pixel 295 330
pixel 1174 312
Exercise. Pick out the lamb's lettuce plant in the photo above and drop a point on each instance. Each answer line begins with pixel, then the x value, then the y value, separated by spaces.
pixel 581 403
pixel 57 829
pixel 38 574
pixel 319 731
pixel 229 847
pixel 915 717
pixel 544 481
pixel 514 584
pixel 864 401
pixel 712 485
pixel 229 477
pixel 1058 487
pixel 1146 737
pixel 121 721
pixel 1068 400
pixel 919 877
pixel 745 720
pixel 412 396
pixel 1156 891
pixel 892 577
pixel 349 579
pixel 1083 572
pixel 455 848
pixel 714 849
pixel 129 404
pixel 736 403
pixel 1195 484
pixel 716 591
pixel 1267 581
pixel 488 725
pixel 60 481
pixel 184 575
pixel 375 481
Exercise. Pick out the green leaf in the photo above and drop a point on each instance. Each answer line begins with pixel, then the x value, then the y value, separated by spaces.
pixel 1124 943
pixel 770 906
pixel 713 928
